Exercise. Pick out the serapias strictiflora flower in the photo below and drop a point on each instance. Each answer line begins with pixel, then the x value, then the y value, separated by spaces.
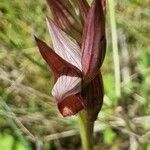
pixel 78 80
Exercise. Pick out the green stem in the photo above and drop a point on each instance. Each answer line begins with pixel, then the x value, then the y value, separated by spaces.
pixel 86 131
pixel 115 47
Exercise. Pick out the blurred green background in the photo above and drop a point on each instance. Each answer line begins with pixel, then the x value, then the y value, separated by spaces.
pixel 29 118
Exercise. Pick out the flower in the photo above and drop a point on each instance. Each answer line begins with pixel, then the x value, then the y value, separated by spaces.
pixel 76 63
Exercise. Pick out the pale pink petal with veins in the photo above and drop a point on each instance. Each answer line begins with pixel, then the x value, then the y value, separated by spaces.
pixel 64 46
pixel 66 86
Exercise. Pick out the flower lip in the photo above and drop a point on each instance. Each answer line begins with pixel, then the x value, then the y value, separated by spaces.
pixel 70 105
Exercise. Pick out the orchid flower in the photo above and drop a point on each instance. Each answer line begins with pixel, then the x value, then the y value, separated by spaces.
pixel 76 63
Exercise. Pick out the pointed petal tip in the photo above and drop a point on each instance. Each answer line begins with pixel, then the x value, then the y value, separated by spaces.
pixel 36 39
pixel 48 20
pixel 38 42
pixel 51 25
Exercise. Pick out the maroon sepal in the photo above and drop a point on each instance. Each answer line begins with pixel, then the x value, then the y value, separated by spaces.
pixel 84 8
pixel 94 41
pixel 58 65
pixel 93 97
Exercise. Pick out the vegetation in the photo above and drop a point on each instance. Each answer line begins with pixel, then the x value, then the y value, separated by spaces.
pixel 28 114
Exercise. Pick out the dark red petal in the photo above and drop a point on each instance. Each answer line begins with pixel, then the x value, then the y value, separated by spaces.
pixel 94 42
pixel 65 18
pixel 70 105
pixel 55 62
pixel 58 12
pixel 84 7
pixel 93 97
